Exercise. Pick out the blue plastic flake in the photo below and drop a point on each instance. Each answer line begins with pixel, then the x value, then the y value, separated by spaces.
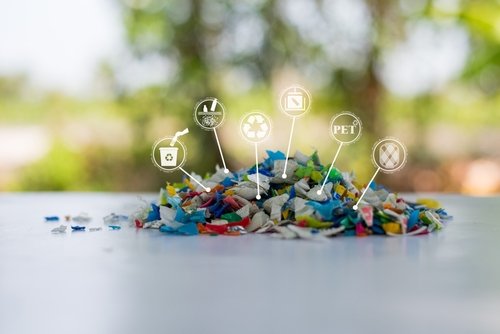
pixel 377 229
pixel 350 233
pixel 188 229
pixel 179 216
pixel 227 182
pixel 52 218
pixel 195 217
pixel 325 209
pixel 413 220
pixel 167 229
pixel 272 157
pixel 174 201
pixel 114 227
pixel 78 228
pixel 154 214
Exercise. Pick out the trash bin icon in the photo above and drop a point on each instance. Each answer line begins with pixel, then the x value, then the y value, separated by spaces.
pixel 389 155
pixel 168 156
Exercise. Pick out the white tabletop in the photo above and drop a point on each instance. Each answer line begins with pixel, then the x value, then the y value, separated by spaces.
pixel 142 281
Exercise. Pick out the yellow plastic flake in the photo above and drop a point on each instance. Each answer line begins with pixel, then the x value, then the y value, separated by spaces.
pixel 285 213
pixel 189 184
pixel 314 223
pixel 283 190
pixel 340 190
pixel 357 185
pixel 171 190
pixel 316 176
pixel 350 195
pixel 431 204
pixel 228 193
pixel 392 228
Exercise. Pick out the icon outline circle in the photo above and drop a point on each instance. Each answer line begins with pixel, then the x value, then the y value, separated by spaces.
pixel 246 123
pixel 402 156
pixel 168 139
pixel 356 119
pixel 198 113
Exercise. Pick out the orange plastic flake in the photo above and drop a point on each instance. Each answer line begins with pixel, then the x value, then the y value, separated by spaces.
pixel 218 187
pixel 201 228
pixel 232 233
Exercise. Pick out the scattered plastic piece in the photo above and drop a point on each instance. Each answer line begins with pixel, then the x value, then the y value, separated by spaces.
pixel 78 228
pixel 59 229
pixel 82 218
pixel 114 227
pixel 289 208
pixel 52 218
pixel 94 229
pixel 113 218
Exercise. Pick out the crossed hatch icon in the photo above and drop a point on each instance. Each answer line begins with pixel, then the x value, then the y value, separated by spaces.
pixel 389 155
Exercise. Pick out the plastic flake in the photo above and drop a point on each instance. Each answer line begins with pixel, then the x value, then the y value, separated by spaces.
pixel 82 218
pixel 60 229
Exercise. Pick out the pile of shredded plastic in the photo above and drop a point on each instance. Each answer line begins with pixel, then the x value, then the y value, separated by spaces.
pixel 289 208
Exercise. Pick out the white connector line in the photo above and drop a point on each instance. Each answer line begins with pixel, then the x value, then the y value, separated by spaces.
pixel 195 180
pixel 220 150
pixel 288 150
pixel 355 207
pixel 257 172
pixel 329 170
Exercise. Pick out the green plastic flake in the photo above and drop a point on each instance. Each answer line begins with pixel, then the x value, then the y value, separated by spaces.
pixel 178 185
pixel 305 171
pixel 347 223
pixel 314 223
pixel 163 196
pixel 231 217
pixel 426 220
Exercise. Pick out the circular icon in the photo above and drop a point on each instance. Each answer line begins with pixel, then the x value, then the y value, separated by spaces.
pixel 166 157
pixel 255 127
pixel 295 101
pixel 389 154
pixel 346 127
pixel 209 113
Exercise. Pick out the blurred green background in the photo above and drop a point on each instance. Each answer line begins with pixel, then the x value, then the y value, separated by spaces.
pixel 87 86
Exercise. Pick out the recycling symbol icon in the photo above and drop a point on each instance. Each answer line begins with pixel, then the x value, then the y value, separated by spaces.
pixel 255 127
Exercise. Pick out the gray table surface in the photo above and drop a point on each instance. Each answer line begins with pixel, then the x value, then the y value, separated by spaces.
pixel 141 281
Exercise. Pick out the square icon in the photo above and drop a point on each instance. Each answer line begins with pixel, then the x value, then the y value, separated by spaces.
pixel 295 101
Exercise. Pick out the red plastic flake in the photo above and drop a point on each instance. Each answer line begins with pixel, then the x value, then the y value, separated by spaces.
pixel 243 223
pixel 219 229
